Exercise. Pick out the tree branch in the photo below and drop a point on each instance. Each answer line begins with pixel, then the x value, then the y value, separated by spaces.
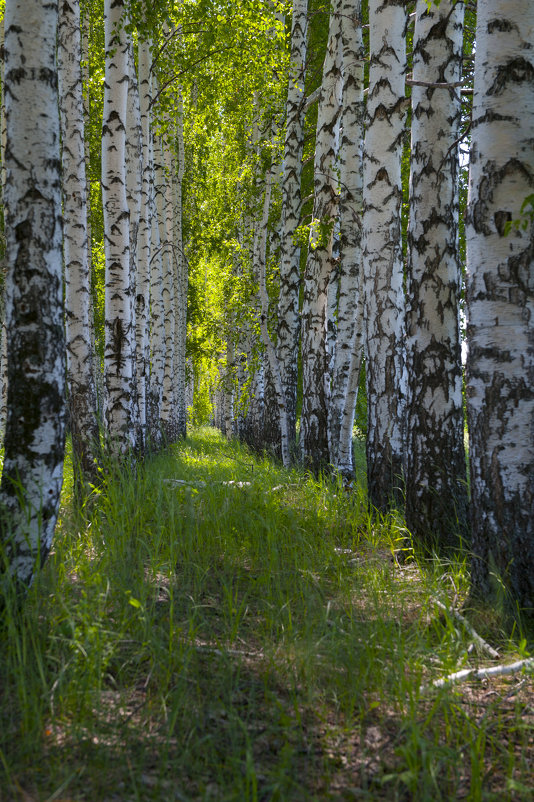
pixel 476 637
pixel 480 673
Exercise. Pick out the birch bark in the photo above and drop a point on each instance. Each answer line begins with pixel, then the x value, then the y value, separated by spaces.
pixel 118 368
pixel 134 169
pixel 80 379
pixel 436 488
pixel 346 370
pixel 314 416
pixel 165 211
pixel 261 262
pixel 35 427
pixel 228 386
pixel 182 275
pixel 288 304
pixel 157 331
pixel 383 294
pixel 3 330
pixel 144 242
pixel 500 293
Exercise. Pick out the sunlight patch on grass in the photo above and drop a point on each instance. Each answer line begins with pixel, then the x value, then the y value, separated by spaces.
pixel 215 627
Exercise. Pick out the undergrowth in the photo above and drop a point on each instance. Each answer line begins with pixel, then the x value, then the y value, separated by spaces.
pixel 213 627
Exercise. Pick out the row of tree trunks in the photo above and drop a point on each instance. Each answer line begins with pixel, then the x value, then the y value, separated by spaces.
pixel 35 381
pixel 76 246
pixel 415 417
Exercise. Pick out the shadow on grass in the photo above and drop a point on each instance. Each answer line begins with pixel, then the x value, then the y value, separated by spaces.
pixel 218 628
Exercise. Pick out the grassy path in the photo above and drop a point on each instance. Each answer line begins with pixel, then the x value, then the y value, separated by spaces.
pixel 216 628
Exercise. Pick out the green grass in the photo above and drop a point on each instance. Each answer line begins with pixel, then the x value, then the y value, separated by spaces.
pixel 193 638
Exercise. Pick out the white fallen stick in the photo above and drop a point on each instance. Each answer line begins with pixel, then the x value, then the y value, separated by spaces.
pixel 184 483
pixel 481 673
pixel 476 637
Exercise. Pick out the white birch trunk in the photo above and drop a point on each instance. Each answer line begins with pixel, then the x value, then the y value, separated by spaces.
pixel 436 489
pixel 383 294
pixel 134 177
pixel 80 379
pixel 261 263
pixel 3 132
pixel 35 427
pixel 3 330
pixel 157 331
pixel 182 277
pixel 288 304
pixel 164 207
pixel 3 369
pixel 118 368
pixel 228 426
pixel 350 210
pixel 255 415
pixel 314 416
pixel 144 240
pixel 500 294
pixel 345 461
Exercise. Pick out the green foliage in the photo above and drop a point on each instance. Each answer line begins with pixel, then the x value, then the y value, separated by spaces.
pixel 524 221
pixel 212 626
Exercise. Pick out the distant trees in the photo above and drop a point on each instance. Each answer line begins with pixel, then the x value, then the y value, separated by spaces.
pixel 80 379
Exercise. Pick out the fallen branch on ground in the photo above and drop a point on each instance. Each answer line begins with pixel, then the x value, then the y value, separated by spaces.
pixel 480 673
pixel 484 645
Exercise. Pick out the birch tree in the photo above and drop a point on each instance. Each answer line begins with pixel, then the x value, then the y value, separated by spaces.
pixel 35 427
pixel 436 488
pixel 348 351
pixel 288 304
pixel 157 329
pixel 383 294
pixel 3 331
pixel 181 273
pixel 274 365
pixel 500 292
pixel 144 242
pixel 118 367
pixel 80 379
pixel 314 416
pixel 165 218
pixel 134 170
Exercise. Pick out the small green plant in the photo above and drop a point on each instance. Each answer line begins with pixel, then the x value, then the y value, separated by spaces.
pixel 524 220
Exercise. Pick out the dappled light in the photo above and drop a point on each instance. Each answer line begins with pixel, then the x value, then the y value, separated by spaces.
pixel 222 627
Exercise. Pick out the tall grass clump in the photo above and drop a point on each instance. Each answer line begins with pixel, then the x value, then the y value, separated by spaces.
pixel 212 626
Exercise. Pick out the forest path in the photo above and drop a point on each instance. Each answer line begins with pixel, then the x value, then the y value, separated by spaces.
pixel 218 628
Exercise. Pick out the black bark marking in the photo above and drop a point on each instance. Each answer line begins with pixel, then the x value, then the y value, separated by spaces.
pixel 117 343
pixel 518 71
pixel 500 25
